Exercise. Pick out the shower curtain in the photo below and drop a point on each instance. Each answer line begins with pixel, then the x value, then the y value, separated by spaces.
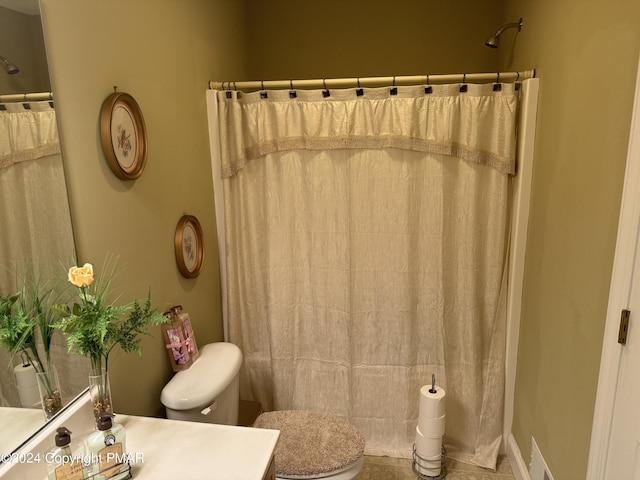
pixel 34 215
pixel 34 210
pixel 364 241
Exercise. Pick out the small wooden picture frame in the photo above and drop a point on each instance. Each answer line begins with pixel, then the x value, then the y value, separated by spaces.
pixel 189 247
pixel 123 136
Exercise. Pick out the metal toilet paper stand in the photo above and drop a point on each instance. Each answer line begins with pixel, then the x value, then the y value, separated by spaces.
pixel 419 461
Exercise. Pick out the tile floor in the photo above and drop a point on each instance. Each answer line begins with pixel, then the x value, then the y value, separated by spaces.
pixel 385 468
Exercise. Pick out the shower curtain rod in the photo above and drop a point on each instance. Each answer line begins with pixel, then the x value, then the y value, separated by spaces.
pixel 374 81
pixel 26 97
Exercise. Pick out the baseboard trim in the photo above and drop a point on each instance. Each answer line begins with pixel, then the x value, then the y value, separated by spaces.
pixel 518 465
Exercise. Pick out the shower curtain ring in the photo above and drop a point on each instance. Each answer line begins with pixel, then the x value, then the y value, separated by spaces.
pixel 325 91
pixel 428 88
pixel 463 87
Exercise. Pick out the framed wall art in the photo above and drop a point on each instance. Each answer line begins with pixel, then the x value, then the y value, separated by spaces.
pixel 189 246
pixel 123 135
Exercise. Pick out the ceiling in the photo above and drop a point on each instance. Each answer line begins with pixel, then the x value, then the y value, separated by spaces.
pixel 28 7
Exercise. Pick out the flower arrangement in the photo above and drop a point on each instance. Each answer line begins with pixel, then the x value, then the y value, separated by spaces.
pixel 24 317
pixel 95 326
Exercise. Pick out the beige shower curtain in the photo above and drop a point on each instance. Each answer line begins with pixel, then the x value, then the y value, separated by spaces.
pixel 36 228
pixel 365 241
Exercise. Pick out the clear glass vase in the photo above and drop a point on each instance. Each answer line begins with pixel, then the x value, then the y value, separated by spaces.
pixel 100 393
pixel 50 395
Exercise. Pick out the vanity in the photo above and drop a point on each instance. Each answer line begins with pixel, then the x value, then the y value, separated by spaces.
pixel 160 448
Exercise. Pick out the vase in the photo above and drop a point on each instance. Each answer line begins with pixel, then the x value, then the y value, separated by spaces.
pixel 49 388
pixel 100 393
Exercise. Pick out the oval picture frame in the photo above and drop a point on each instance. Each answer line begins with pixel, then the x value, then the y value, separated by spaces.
pixel 189 247
pixel 123 135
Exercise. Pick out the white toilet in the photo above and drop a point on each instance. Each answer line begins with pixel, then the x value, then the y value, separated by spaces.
pixel 311 445
pixel 208 391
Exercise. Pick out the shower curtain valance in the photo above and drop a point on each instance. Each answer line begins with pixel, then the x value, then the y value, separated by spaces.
pixel 27 134
pixel 474 123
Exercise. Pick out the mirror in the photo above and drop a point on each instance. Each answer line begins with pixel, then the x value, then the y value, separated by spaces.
pixel 34 212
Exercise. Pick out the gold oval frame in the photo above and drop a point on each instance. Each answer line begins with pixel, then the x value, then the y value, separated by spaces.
pixel 115 107
pixel 187 231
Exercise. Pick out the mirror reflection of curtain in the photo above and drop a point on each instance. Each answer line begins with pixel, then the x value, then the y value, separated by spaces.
pixel 366 249
pixel 37 237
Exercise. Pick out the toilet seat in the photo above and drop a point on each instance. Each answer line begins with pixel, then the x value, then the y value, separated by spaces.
pixel 314 445
pixel 347 473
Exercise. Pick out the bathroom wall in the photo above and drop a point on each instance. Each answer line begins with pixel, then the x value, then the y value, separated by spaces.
pixel 586 54
pixel 163 53
pixel 333 38
pixel 21 42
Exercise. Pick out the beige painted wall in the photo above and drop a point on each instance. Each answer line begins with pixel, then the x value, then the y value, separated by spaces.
pixel 21 42
pixel 163 53
pixel 586 54
pixel 336 38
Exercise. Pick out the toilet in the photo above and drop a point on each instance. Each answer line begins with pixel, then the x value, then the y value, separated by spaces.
pixel 311 445
pixel 209 390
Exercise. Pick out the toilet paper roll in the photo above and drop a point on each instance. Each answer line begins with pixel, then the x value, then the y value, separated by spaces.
pixel 27 385
pixel 431 427
pixel 25 376
pixel 29 397
pixel 431 404
pixel 428 448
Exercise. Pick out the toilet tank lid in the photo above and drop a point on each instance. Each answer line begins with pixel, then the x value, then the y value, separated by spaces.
pixel 214 369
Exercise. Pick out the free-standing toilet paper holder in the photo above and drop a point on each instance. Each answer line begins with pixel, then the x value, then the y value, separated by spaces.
pixel 422 465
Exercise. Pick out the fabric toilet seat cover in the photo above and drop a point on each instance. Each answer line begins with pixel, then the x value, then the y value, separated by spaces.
pixel 312 444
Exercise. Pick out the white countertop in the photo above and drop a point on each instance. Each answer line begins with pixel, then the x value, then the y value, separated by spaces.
pixel 18 424
pixel 175 449
pixel 159 448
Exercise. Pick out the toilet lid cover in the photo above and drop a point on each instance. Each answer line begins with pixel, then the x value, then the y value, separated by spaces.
pixel 311 444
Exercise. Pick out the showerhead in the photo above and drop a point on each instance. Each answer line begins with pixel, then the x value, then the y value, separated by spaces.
pixel 494 40
pixel 12 68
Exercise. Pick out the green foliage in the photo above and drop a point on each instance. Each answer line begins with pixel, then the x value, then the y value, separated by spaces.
pixel 16 327
pixel 94 326
pixel 25 316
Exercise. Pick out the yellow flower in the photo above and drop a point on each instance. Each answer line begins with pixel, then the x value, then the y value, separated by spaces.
pixel 81 276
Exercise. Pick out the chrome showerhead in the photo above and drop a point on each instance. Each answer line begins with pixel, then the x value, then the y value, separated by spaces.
pixel 12 68
pixel 494 40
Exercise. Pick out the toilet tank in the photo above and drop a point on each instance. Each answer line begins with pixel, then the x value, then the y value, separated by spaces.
pixel 208 391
